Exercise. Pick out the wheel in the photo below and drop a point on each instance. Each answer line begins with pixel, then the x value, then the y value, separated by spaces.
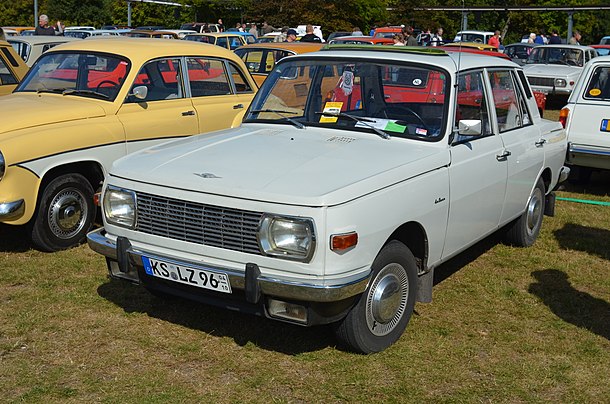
pixel 65 213
pixel 525 229
pixel 113 84
pixel 384 309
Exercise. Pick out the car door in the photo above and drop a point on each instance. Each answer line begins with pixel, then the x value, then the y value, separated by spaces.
pixel 221 92
pixel 521 139
pixel 478 170
pixel 166 112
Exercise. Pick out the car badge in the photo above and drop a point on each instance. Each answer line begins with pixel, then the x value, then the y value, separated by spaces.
pixel 206 175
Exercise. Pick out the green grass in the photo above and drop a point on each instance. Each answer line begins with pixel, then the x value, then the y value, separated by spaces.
pixel 506 325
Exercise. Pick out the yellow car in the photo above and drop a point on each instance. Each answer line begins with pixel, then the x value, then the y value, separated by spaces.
pixel 86 103
pixel 260 58
pixel 12 68
pixel 473 45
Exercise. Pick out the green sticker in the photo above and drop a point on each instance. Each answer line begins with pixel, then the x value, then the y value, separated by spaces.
pixel 394 127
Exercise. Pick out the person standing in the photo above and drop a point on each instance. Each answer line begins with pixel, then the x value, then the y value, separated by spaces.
pixel 356 32
pixel 221 26
pixel 437 39
pixel 253 30
pixel 399 39
pixel 44 29
pixel 495 40
pixel 410 40
pixel 554 39
pixel 575 40
pixel 309 35
pixel 291 35
pixel 267 29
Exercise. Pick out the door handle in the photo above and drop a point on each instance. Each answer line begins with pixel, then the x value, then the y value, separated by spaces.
pixel 503 156
pixel 540 143
pixel 238 106
pixel 188 113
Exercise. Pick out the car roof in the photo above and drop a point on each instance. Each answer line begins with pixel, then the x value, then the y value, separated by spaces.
pixel 438 57
pixel 34 39
pixel 298 47
pixel 567 46
pixel 143 49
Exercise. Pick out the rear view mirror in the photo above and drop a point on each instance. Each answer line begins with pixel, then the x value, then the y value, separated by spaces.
pixel 469 127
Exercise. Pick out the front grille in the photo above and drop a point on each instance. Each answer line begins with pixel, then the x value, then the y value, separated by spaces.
pixel 541 81
pixel 216 226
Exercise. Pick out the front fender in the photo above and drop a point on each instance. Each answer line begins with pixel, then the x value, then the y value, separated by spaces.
pixel 20 183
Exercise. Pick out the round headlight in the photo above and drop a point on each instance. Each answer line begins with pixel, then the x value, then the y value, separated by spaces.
pixel 119 206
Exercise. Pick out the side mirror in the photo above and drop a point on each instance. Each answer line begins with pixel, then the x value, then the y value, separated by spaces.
pixel 470 127
pixel 140 92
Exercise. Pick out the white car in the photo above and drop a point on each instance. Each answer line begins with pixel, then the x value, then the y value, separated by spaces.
pixel 587 120
pixel 354 175
pixel 554 69
pixel 473 36
pixel 31 47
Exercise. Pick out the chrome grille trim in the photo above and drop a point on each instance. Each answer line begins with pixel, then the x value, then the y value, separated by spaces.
pixel 541 81
pixel 215 226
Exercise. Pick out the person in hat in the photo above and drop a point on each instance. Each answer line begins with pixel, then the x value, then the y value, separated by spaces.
pixel 291 35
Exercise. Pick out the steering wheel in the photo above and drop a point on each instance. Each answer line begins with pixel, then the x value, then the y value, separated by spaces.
pixel 97 89
pixel 409 111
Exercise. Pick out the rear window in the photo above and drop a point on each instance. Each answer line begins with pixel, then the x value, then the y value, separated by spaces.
pixel 598 87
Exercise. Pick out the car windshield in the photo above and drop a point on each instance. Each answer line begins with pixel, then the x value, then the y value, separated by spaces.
pixel 77 74
pixel 390 99
pixel 556 56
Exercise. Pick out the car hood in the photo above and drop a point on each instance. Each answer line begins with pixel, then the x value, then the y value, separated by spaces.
pixel 21 111
pixel 282 164
pixel 551 70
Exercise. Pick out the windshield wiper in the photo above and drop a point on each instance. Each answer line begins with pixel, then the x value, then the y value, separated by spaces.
pixel 280 113
pixel 359 119
pixel 85 92
pixel 51 90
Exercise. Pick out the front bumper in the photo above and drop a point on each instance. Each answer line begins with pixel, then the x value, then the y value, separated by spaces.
pixel 325 303
pixel 589 156
pixel 552 90
pixel 12 210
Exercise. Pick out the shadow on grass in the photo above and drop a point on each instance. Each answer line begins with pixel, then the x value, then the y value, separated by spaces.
pixel 597 185
pixel 569 304
pixel 242 328
pixel 464 258
pixel 14 238
pixel 583 238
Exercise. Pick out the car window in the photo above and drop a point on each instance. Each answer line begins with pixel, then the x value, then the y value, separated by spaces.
pixel 598 87
pixel 472 103
pixel 162 78
pixel 77 74
pixel 511 108
pixel 241 84
pixel 6 76
pixel 22 49
pixel 207 77
pixel 396 99
pixel 222 41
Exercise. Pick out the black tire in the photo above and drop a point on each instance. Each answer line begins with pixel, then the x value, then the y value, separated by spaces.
pixel 65 213
pixel 524 231
pixel 384 309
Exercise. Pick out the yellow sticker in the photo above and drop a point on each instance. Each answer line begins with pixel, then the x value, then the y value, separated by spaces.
pixel 595 92
pixel 331 108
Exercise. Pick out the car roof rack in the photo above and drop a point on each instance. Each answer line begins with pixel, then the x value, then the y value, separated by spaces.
pixel 387 48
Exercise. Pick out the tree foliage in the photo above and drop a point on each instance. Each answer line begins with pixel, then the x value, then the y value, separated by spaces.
pixel 332 15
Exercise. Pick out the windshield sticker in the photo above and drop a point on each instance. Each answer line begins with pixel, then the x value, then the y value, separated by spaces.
pixel 383 124
pixel 331 108
pixel 347 82
pixel 594 92
pixel 421 132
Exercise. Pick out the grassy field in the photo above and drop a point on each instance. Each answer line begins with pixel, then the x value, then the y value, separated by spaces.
pixel 506 325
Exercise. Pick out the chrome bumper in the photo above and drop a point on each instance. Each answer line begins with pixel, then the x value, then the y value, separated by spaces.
pixel 12 210
pixel 125 259
pixel 564 173
pixel 589 156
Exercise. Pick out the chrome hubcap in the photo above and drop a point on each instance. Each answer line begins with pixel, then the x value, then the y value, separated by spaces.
pixel 534 211
pixel 67 213
pixel 387 299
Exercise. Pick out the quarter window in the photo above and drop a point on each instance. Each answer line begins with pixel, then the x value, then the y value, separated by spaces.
pixel 241 84
pixel 598 87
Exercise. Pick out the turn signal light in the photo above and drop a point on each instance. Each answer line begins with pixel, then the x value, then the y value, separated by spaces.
pixel 563 117
pixel 342 242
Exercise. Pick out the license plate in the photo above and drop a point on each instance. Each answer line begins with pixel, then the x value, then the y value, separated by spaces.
pixel 605 127
pixel 197 277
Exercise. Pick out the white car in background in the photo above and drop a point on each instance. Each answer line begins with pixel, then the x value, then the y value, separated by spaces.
pixel 31 47
pixel 586 118
pixel 554 69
